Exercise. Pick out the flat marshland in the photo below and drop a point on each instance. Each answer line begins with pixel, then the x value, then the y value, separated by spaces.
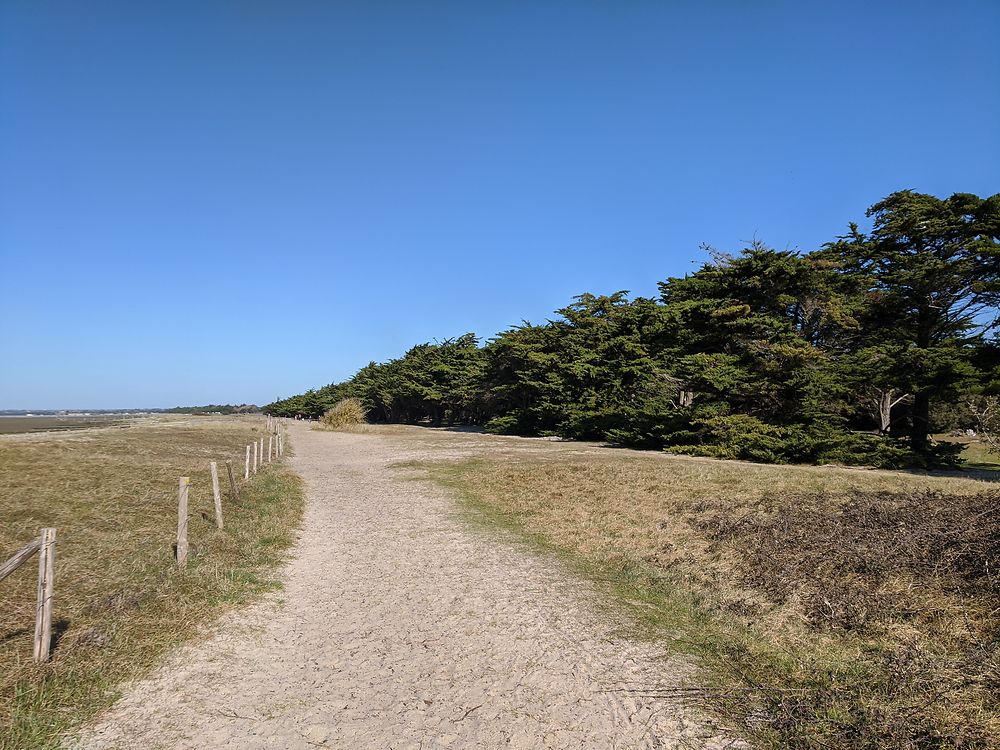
pixel 52 422
pixel 120 599
pixel 829 607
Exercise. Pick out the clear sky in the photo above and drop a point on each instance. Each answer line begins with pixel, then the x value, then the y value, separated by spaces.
pixel 235 201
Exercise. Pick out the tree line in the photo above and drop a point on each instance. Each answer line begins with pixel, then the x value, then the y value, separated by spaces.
pixel 853 353
pixel 214 409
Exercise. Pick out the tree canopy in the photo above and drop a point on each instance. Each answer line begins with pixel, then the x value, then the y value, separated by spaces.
pixel 840 354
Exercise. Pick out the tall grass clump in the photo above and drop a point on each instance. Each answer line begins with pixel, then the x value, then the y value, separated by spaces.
pixel 348 412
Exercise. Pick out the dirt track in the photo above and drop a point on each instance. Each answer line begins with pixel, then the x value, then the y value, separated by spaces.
pixel 401 627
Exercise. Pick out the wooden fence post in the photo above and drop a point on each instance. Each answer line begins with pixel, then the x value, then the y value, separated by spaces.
pixel 270 440
pixel 43 612
pixel 254 456
pixel 182 521
pixel 234 493
pixel 216 494
pixel 262 450
pixel 246 466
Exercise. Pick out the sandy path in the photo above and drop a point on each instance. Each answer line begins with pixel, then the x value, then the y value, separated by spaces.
pixel 399 627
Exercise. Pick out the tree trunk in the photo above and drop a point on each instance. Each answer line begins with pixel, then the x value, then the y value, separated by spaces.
pixel 885 410
pixel 920 423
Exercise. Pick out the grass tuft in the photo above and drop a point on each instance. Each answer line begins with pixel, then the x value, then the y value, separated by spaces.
pixel 345 414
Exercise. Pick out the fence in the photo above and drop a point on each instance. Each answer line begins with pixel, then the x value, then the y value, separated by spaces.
pixel 275 434
pixel 45 544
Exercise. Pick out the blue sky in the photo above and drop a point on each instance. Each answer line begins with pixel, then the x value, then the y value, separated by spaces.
pixel 235 201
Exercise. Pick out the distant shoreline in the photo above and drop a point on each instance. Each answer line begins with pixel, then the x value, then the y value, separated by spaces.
pixel 76 412
pixel 11 424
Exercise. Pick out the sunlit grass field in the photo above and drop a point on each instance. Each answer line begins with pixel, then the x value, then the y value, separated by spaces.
pixel 120 599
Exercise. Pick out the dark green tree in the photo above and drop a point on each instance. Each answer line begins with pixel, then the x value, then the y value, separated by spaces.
pixel 930 270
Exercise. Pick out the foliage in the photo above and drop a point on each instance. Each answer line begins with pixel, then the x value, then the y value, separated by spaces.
pixel 765 355
pixel 987 413
pixel 930 273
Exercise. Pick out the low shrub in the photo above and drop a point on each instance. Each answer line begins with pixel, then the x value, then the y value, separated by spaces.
pixel 743 437
pixel 348 412
pixel 740 437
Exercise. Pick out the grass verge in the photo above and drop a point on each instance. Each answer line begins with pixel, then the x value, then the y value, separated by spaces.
pixel 120 601
pixel 828 608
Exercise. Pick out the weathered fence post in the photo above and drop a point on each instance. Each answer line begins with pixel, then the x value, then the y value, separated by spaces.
pixel 182 521
pixel 216 494
pixel 43 612
pixel 262 450
pixel 246 466
pixel 254 456
pixel 234 493
pixel 270 440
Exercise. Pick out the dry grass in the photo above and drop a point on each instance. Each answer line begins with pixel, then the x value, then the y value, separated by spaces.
pixel 120 600
pixel 345 414
pixel 830 607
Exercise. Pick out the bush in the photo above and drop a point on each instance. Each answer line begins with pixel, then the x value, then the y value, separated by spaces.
pixel 743 437
pixel 509 424
pixel 737 436
pixel 348 412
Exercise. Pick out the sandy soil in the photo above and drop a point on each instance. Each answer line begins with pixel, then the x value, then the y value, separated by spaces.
pixel 401 627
